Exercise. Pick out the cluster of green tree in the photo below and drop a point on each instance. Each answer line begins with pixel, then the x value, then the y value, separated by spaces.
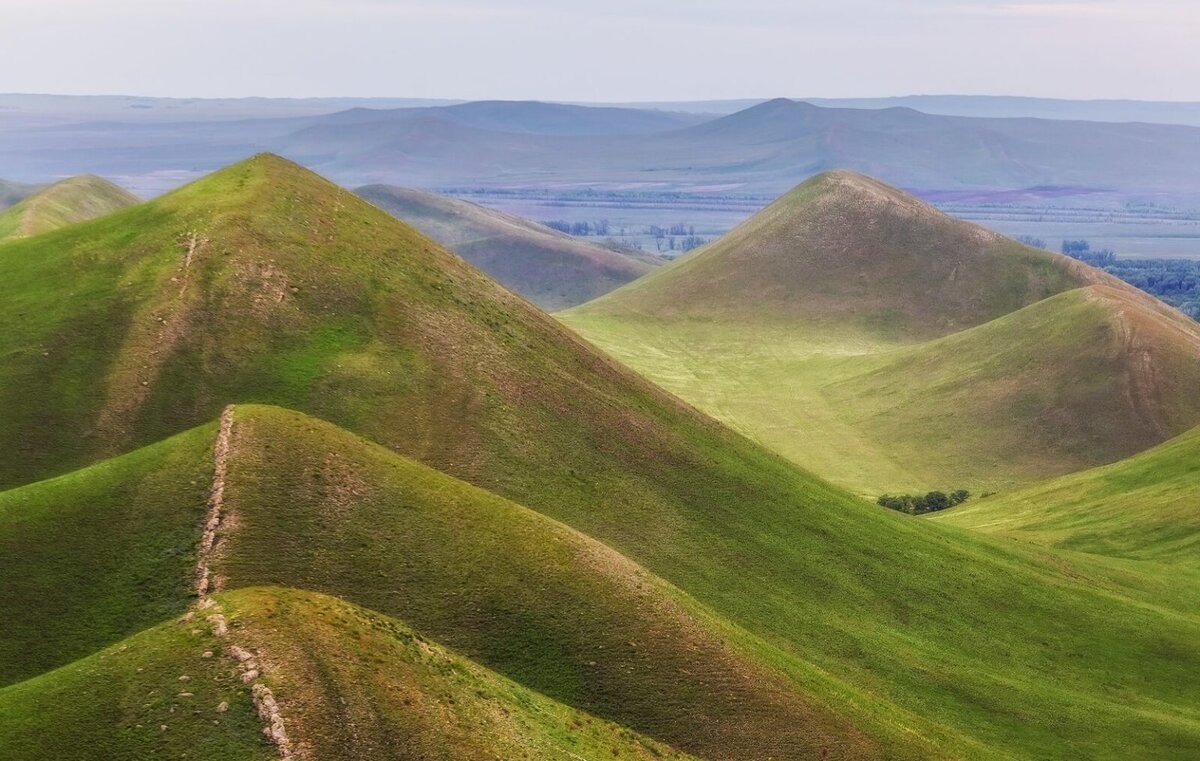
pixel 930 503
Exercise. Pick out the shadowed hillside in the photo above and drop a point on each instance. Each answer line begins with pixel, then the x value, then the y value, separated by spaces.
pixel 551 269
pixel 64 203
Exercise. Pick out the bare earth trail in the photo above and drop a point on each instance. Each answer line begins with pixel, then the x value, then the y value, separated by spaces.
pixel 264 699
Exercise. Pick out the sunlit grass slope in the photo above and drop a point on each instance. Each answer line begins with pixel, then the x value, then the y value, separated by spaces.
pixel 73 200
pixel 1048 373
pixel 1146 507
pixel 315 507
pixel 550 268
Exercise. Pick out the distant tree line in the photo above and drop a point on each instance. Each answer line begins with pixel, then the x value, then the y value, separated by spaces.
pixel 1175 281
pixel 581 229
pixel 919 505
pixel 678 237
pixel 1082 250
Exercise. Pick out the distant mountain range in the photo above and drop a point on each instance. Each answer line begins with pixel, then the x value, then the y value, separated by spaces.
pixel 762 150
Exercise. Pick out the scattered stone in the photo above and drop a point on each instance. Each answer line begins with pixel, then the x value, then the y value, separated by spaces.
pixel 240 653
pixel 223 706
pixel 206 654
pixel 218 624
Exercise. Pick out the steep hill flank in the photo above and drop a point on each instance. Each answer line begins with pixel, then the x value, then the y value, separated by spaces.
pixel 264 282
pixel 1144 507
pixel 553 270
pixel 64 203
pixel 847 253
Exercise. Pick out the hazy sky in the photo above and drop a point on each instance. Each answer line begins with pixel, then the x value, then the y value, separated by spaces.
pixel 614 50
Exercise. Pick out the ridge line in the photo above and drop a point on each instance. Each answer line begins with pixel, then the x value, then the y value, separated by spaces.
pixel 261 695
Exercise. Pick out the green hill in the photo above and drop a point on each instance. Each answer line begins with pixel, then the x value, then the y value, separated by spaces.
pixel 1142 508
pixel 553 270
pixel 75 199
pixel 588 536
pixel 888 347
pixel 846 253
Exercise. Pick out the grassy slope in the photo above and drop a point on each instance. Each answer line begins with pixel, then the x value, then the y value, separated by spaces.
pixel 97 555
pixel 553 270
pixel 840 368
pixel 124 703
pixel 1086 377
pixel 1142 508
pixel 354 684
pixel 387 335
pixel 941 650
pixel 64 203
pixel 527 596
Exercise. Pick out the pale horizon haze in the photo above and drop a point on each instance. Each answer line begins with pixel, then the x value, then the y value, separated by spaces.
pixel 620 50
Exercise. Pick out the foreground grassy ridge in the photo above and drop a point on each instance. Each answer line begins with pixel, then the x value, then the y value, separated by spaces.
pixel 352 684
pixel 551 269
pixel 95 556
pixel 129 703
pixel 1142 508
pixel 947 642
pixel 318 508
pixel 355 684
pixel 817 627
pixel 73 200
pixel 843 251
